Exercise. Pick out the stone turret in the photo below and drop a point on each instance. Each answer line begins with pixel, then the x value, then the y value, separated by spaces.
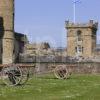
pixel 7 14
pixel 81 38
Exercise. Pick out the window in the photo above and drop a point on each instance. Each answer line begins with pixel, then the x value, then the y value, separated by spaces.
pixel 79 35
pixel 79 49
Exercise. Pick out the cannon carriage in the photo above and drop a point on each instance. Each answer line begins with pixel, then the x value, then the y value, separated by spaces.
pixel 15 74
pixel 18 74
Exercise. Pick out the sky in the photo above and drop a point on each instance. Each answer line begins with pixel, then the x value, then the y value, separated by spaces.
pixel 44 20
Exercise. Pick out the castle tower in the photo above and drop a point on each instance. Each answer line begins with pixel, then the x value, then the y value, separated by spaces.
pixel 81 38
pixel 7 13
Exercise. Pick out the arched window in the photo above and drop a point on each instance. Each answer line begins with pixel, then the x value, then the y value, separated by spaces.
pixel 79 35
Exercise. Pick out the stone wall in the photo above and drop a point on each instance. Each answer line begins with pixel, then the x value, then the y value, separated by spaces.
pixel 78 68
pixel 47 63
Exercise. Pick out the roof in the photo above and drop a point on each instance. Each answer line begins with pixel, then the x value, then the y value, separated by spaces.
pixel 21 37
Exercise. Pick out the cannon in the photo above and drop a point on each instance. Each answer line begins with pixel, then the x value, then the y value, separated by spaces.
pixel 19 73
pixel 15 74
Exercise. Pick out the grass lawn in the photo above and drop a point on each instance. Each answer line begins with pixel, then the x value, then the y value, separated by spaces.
pixel 78 87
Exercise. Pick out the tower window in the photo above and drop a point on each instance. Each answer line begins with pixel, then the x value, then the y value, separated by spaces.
pixel 79 35
pixel 79 49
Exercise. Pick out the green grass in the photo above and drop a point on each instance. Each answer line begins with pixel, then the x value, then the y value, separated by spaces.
pixel 78 87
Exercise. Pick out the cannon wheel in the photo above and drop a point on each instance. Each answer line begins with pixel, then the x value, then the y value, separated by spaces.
pixel 11 75
pixel 61 72
pixel 25 75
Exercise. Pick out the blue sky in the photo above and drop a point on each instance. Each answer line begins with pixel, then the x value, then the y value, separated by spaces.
pixel 44 20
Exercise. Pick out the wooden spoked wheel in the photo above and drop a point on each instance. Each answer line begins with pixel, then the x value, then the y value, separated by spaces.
pixel 11 75
pixel 25 75
pixel 61 72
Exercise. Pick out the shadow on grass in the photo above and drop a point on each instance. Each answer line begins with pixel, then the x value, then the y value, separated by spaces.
pixel 44 77
pixel 19 85
pixel 3 85
pixel 54 78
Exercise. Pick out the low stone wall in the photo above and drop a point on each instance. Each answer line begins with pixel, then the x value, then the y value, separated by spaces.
pixel 45 63
pixel 88 68
pixel 79 68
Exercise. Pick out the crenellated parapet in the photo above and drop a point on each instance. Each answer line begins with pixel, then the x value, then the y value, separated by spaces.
pixel 90 24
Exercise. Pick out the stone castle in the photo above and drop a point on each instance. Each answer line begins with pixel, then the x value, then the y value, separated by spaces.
pixel 81 38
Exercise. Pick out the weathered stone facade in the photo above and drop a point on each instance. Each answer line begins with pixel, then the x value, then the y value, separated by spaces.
pixel 36 48
pixel 11 43
pixel 7 15
pixel 81 39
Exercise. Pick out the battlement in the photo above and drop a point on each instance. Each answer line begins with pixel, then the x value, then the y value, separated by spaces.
pixel 90 24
